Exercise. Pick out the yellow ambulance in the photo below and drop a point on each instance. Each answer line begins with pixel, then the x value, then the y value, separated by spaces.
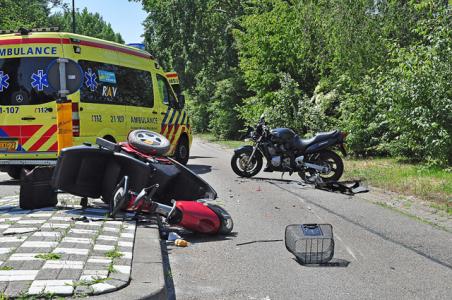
pixel 123 89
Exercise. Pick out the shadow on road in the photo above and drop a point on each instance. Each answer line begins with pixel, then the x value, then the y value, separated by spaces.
pixel 169 283
pixel 335 262
pixel 197 238
pixel 273 180
pixel 10 182
pixel 200 169
pixel 193 238
pixel 195 157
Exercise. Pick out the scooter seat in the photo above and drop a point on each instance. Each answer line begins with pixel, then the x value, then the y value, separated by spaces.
pixel 93 172
pixel 301 144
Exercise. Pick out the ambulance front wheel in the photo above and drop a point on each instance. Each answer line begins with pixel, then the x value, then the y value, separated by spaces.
pixel 182 150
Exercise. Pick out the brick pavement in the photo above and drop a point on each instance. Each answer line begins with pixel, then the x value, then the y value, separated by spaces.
pixel 53 251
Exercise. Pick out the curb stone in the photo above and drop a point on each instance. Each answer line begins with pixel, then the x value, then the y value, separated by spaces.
pixel 147 278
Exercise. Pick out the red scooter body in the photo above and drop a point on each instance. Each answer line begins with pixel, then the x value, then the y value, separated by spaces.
pixel 90 171
pixel 198 217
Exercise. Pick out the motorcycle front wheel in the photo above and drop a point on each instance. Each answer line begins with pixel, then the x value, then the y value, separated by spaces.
pixel 242 166
pixel 328 159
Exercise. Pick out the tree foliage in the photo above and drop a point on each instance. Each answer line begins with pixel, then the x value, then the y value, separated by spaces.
pixel 378 69
pixel 194 37
pixel 37 13
pixel 26 14
pixel 90 24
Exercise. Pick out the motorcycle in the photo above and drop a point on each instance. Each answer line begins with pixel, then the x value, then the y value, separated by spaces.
pixel 285 151
pixel 136 175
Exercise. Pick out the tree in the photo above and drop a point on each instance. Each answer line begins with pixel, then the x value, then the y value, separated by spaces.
pixel 87 24
pixel 27 13
pixel 194 37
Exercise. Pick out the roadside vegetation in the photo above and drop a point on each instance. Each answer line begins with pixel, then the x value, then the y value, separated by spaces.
pixel 424 182
pixel 378 69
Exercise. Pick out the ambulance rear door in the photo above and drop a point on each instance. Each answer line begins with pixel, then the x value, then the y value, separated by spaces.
pixel 28 129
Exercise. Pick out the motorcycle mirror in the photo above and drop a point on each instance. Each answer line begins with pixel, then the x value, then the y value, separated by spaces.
pixel 262 118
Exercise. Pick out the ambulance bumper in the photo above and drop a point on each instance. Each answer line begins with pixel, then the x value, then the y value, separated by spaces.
pixel 28 162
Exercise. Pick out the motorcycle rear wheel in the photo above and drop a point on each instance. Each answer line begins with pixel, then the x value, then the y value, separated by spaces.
pixel 326 158
pixel 240 167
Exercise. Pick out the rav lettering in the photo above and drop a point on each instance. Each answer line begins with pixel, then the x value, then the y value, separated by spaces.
pixel 109 91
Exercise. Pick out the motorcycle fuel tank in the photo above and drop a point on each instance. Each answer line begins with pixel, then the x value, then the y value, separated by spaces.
pixel 282 135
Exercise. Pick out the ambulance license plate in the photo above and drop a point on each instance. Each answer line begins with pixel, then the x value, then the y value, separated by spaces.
pixel 8 145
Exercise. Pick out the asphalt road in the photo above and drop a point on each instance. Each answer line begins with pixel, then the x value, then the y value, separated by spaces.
pixel 381 253
pixel 8 186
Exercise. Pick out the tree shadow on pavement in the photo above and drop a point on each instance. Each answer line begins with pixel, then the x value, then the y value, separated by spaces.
pixel 200 169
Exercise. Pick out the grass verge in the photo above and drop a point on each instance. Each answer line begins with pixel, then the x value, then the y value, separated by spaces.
pixel 228 143
pixel 427 183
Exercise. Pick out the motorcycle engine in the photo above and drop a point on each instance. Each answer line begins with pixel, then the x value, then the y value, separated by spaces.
pixel 278 157
pixel 272 151
pixel 279 161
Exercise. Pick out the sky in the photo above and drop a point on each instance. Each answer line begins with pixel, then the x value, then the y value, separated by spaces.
pixel 125 17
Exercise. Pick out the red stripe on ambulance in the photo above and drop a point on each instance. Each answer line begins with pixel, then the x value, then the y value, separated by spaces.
pixel 45 137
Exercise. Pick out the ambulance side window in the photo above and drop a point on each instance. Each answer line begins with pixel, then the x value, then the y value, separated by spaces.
pixel 113 84
pixel 23 81
pixel 166 93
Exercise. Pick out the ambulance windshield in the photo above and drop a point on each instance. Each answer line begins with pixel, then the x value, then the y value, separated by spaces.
pixel 23 81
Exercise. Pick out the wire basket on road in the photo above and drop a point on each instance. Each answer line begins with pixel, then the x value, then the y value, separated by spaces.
pixel 310 243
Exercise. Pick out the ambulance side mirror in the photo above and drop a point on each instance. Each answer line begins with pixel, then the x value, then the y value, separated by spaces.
pixel 181 101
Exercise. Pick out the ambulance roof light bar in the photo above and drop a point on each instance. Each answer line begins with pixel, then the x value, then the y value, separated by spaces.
pixel 24 31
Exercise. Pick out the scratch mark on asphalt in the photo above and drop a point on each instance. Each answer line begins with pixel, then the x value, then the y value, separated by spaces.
pixel 349 250
pixel 259 241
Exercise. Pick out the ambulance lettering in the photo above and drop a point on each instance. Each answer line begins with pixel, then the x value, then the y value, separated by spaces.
pixel 143 120
pixel 28 51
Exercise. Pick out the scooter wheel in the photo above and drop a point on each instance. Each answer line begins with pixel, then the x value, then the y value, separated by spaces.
pixel 148 142
pixel 226 226
pixel 226 223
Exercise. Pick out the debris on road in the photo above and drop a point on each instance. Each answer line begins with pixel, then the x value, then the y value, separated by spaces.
pixel 181 243
pixel 310 243
pixel 172 236
pixel 350 187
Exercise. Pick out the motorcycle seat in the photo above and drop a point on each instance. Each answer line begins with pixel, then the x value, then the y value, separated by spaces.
pixel 302 144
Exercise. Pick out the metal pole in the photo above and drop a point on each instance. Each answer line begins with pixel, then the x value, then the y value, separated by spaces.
pixel 73 16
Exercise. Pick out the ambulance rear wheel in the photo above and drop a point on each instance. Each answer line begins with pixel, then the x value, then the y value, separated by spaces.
pixel 182 151
pixel 14 172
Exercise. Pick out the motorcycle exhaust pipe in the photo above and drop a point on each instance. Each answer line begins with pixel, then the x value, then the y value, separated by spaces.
pixel 321 169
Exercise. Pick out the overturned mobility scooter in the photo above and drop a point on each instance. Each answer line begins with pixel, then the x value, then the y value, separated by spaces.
pixel 136 176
